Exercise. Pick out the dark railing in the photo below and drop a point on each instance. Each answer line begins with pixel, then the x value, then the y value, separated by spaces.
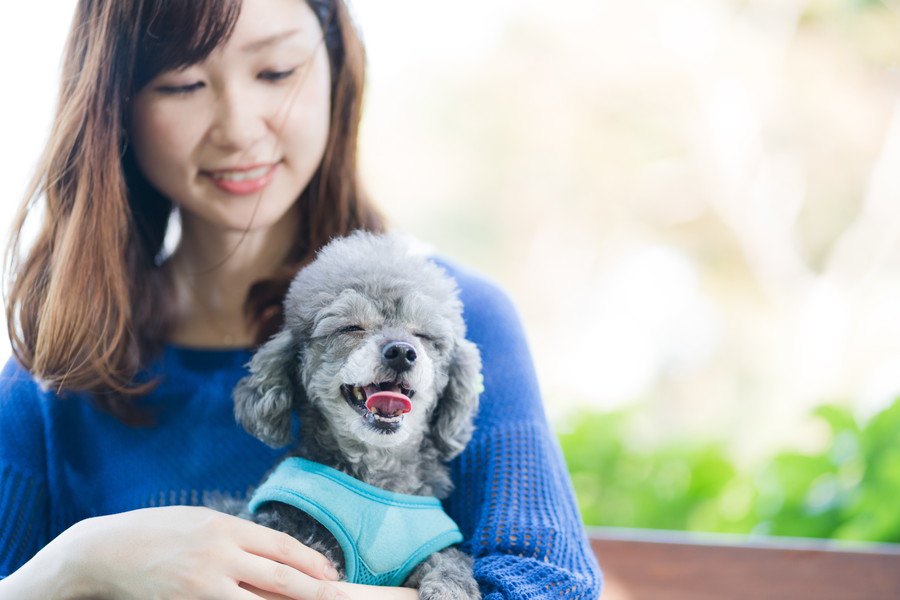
pixel 662 565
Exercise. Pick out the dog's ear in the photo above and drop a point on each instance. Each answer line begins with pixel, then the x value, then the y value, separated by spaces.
pixel 451 423
pixel 263 400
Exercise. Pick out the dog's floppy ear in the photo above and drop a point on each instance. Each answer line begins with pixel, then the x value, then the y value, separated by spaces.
pixel 263 399
pixel 451 423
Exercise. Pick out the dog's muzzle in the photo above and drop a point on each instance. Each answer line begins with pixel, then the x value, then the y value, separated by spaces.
pixel 381 405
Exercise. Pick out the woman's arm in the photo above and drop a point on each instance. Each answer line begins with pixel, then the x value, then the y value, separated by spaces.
pixel 172 552
pixel 73 567
pixel 513 498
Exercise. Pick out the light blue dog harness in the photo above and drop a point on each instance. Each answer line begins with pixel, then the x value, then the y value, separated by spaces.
pixel 383 534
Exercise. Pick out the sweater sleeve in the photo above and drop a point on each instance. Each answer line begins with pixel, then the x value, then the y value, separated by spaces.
pixel 513 498
pixel 23 481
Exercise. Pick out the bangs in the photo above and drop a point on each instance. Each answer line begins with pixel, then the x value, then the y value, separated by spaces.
pixel 174 34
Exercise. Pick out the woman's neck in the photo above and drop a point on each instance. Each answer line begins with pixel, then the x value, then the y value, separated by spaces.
pixel 213 269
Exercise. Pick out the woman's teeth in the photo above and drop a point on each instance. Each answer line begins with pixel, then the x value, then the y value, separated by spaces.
pixel 241 175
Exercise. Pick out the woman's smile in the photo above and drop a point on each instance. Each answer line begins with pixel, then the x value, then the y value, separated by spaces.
pixel 242 181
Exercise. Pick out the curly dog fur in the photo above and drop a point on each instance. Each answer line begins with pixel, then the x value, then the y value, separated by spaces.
pixel 362 296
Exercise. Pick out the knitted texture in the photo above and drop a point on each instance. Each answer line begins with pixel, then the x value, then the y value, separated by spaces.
pixel 61 460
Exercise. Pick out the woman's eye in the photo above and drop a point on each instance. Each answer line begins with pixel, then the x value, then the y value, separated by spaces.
pixel 175 90
pixel 276 75
pixel 351 329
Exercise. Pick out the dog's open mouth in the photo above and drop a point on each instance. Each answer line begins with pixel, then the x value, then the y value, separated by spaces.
pixel 382 405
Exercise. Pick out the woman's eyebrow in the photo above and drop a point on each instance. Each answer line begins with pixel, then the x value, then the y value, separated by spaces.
pixel 269 41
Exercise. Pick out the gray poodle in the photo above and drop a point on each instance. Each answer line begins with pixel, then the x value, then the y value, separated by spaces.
pixel 373 360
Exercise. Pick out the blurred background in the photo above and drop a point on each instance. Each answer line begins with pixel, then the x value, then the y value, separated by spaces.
pixel 695 205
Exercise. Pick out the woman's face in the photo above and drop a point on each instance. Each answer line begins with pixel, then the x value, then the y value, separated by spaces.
pixel 246 127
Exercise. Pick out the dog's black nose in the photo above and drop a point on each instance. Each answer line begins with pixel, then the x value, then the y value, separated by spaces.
pixel 399 356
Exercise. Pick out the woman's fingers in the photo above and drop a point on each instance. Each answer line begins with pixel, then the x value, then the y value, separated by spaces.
pixel 281 547
pixel 258 593
pixel 249 593
pixel 281 579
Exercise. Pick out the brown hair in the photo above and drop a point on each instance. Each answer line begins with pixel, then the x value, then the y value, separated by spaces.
pixel 88 304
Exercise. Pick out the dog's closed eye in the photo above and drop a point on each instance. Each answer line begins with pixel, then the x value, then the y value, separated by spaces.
pixel 351 329
pixel 437 342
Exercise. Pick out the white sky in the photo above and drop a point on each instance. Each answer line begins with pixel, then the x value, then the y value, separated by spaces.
pixel 31 41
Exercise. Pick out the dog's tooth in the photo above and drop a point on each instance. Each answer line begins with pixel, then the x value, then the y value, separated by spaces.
pixel 387 419
pixel 358 393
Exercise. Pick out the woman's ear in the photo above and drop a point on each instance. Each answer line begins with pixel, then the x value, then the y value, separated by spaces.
pixel 263 400
pixel 451 423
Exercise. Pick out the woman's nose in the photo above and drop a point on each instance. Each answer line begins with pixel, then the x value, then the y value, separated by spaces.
pixel 239 122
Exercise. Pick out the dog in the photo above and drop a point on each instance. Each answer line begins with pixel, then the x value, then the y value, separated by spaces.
pixel 373 368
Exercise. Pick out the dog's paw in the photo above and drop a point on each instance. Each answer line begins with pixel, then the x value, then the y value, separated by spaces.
pixel 449 589
pixel 446 575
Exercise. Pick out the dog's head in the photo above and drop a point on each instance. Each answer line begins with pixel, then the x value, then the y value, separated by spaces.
pixel 374 340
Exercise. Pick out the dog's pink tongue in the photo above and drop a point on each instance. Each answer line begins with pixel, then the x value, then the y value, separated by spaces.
pixel 389 403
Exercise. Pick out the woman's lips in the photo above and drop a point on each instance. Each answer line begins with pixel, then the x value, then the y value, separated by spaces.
pixel 243 181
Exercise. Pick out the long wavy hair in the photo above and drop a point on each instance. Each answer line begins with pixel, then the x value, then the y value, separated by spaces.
pixel 88 304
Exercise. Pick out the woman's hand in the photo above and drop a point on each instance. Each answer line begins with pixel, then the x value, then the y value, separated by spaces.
pixel 357 591
pixel 176 552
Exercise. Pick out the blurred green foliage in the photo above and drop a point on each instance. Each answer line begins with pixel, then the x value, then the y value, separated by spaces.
pixel 847 490
pixel 851 6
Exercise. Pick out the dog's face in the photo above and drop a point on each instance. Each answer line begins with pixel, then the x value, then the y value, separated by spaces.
pixel 374 340
pixel 375 360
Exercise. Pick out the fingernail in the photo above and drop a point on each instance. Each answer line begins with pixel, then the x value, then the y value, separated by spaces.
pixel 332 573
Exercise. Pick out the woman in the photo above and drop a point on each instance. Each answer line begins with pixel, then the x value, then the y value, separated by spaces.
pixel 115 417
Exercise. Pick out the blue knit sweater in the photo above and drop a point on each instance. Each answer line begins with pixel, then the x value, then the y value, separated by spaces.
pixel 62 461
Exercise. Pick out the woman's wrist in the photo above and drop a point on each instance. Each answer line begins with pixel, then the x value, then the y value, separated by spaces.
pixel 40 579
pixel 57 572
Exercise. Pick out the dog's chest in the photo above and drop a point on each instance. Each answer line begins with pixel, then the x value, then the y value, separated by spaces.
pixel 314 504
